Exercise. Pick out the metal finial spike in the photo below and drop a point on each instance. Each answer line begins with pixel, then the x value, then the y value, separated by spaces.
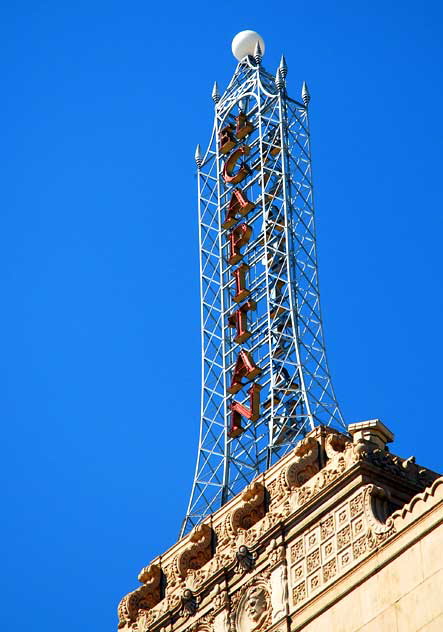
pixel 305 95
pixel 283 67
pixel 215 93
pixel 198 156
pixel 257 53
pixel 279 81
pixel 241 105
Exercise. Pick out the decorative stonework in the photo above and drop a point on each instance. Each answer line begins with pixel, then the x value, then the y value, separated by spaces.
pixel 253 611
pixel 219 597
pixel 340 548
pixel 313 561
pixel 250 510
pixel 327 527
pixel 197 553
pixel 299 593
pixel 419 504
pixel 205 624
pixel 275 553
pixel 281 542
pixel 304 464
pixel 360 532
pixel 142 599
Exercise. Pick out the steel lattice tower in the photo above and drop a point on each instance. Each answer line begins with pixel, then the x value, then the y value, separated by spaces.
pixel 265 376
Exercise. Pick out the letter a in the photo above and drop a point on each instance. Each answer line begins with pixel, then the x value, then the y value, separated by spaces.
pixel 244 367
pixel 238 203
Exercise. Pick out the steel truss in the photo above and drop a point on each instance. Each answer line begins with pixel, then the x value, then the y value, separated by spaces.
pixel 286 338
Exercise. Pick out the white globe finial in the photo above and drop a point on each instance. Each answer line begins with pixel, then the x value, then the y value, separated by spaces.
pixel 244 43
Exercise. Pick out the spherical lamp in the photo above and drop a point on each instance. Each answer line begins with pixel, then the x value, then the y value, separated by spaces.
pixel 244 44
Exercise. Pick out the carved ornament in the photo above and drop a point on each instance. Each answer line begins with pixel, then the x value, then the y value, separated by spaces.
pixel 197 553
pixel 304 464
pixel 250 510
pixel 143 598
pixel 252 610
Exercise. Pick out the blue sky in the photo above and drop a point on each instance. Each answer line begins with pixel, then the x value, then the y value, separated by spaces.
pixel 103 104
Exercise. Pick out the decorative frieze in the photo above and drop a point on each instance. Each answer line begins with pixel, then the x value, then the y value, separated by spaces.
pixel 278 544
pixel 357 532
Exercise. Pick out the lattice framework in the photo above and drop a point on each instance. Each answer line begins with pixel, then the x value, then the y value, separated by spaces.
pixel 286 337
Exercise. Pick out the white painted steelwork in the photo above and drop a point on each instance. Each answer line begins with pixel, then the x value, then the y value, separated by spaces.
pixel 286 339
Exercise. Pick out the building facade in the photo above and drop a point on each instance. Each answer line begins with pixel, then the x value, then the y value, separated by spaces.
pixel 339 535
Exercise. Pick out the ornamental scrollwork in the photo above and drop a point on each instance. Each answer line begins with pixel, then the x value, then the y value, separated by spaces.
pixel 197 553
pixel 143 598
pixel 250 510
pixel 304 465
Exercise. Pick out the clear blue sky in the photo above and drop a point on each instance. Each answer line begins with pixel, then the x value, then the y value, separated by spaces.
pixel 102 106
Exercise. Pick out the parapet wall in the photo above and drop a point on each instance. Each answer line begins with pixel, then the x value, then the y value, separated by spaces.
pixel 339 535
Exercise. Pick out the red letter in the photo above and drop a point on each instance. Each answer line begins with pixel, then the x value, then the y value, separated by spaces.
pixel 244 367
pixel 239 320
pixel 243 126
pixel 253 412
pixel 229 167
pixel 238 203
pixel 227 140
pixel 236 428
pixel 240 291
pixel 238 238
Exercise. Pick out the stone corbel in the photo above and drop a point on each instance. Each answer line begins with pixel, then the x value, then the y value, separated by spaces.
pixel 197 553
pixel 250 510
pixel 143 598
pixel 336 443
pixel 304 464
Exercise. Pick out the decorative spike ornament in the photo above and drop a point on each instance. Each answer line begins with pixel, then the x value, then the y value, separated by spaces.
pixel 198 156
pixel 257 53
pixel 279 81
pixel 215 93
pixel 305 95
pixel 283 67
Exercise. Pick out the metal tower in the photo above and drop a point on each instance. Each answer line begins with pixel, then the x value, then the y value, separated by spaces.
pixel 266 380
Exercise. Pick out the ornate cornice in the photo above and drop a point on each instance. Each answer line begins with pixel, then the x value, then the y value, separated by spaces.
pixel 243 536
pixel 143 598
pixel 419 504
pixel 197 553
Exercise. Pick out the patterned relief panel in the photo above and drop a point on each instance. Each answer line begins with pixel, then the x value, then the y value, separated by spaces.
pixel 335 544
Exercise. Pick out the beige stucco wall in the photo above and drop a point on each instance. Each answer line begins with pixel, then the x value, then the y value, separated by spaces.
pixel 403 595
